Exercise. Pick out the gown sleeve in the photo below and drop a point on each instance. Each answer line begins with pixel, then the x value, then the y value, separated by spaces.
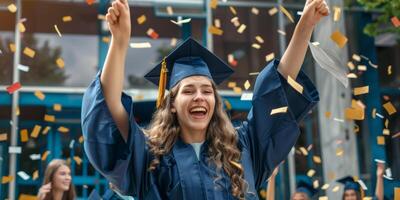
pixel 269 138
pixel 124 164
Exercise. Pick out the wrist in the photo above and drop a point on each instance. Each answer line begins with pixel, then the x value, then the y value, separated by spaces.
pixel 121 44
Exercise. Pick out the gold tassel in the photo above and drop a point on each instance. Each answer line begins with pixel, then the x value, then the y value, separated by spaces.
pixel 162 83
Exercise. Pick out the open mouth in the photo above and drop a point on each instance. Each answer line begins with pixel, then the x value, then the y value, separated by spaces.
pixel 198 112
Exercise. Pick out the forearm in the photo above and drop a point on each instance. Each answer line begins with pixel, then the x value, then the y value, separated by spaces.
pixel 271 189
pixel 293 57
pixel 379 188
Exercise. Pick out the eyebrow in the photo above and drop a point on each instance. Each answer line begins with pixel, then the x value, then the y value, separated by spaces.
pixel 192 85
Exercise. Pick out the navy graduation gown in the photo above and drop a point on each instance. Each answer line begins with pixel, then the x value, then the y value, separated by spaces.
pixel 264 142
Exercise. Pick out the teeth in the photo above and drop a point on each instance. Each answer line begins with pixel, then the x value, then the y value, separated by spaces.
pixel 198 109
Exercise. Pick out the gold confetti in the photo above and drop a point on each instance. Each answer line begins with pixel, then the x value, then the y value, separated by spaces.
pixel 361 90
pixel 351 75
pixel 35 131
pixel 173 42
pixel 24 135
pixel 247 85
pixel 57 30
pixel 141 19
pixel 101 17
pixel 304 151
pixel 279 110
pixel 256 46
pixel 295 85
pixel 49 118
pixel 17 112
pixel 3 137
pixel 67 19
pixel 390 109
pixel 170 11
pixel 233 10
pixel 35 175
pixel 237 165
pixel 328 114
pixel 259 39
pixel 397 193
pixel 350 65
pixel 339 38
pixel 317 159
pixel 354 114
pixel 217 23
pixel 27 197
pixel 29 52
pixel 272 11
pixel 213 4
pixel 241 28
pixel 310 173
pixel 389 70
pixel 286 12
pixel 78 160
pixel 255 11
pixel 323 198
pixel 373 113
pixel 386 123
pixel 21 27
pixel 63 129
pixel 336 14
pixel 44 155
pixel 12 8
pixel 335 189
pixel 339 152
pixel 12 47
pixel 106 39
pixel 57 107
pixel 362 68
pixel 60 63
pixel 269 57
pixel 316 184
pixel 81 139
pixel 6 179
pixel 39 95
pixel 356 57
pixel 231 84
pixel 380 140
pixel 325 186
pixel 237 90
pixel 281 32
pixel 46 130
pixel 386 131
pixel 214 30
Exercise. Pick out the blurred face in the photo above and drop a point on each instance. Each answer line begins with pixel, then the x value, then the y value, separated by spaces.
pixel 350 195
pixel 194 104
pixel 299 196
pixel 62 179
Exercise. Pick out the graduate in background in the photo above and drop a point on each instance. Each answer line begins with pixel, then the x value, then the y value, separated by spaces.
pixel 304 190
pixel 191 150
pixel 57 182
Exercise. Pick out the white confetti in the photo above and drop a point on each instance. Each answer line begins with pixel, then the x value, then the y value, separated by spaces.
pixel 140 45
pixel 23 175
pixel 246 96
pixel 23 68
pixel 181 21
pixel 14 149
pixel 35 156
pixel 71 144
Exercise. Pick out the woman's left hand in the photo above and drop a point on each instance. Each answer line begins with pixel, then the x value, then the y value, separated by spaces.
pixel 314 11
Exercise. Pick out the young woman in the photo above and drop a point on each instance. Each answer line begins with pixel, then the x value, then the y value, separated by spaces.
pixel 57 183
pixel 191 150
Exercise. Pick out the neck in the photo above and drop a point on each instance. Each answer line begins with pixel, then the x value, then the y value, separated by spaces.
pixel 57 194
pixel 193 136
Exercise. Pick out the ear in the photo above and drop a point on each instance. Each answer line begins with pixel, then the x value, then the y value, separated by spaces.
pixel 173 109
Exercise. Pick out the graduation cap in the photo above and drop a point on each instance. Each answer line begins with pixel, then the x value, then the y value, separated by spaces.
pixel 188 59
pixel 351 184
pixel 306 187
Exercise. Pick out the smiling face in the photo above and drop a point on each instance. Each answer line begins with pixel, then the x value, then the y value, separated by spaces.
pixel 62 179
pixel 350 195
pixel 194 105
pixel 300 196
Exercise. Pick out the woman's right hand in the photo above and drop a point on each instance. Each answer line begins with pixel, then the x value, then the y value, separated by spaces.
pixel 119 22
pixel 43 191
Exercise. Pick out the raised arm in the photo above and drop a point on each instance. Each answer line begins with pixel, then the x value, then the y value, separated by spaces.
pixel 380 169
pixel 294 55
pixel 112 77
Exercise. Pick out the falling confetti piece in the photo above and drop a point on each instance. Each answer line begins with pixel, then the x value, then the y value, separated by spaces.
pixel 237 90
pixel 354 114
pixel 140 45
pixel 286 12
pixel 45 154
pixel 335 189
pixel 213 4
pixel 49 118
pixel 339 38
pixel 29 52
pixel 317 159
pixel 60 63
pixel 256 46
pixel 217 23
pixel 390 109
pixel 23 68
pixel 395 21
pixel 35 175
pixel 373 65
pixel 57 107
pixel 173 42
pixel 362 68
pixel 325 186
pixel 295 85
pixel 351 75
pixel 90 2
pixel 231 84
pixel 272 11
pixel 269 57
pixel 14 149
pixel 356 57
pixel 3 137
pixel 71 144
pixel 80 139
pixel 57 30
pixel 281 32
pixel 389 70
pixel 67 19
pixel 328 114
pixel 24 135
pixel 361 90
pixel 35 131
pixel 21 27
pixel 39 95
pixel 35 156
pixel 336 13
pixel 279 110
pixel 380 140
pixel 6 179
pixel 151 33
pixel 12 47
pixel 316 184
pixel 63 129
pixel 27 197
pixel 351 65
pixel 233 10
pixel 310 173
pixel 241 28
pixel 254 73
pixel 14 87
pixel 78 160
pixel 259 39
pixel 323 198
pixel 339 152
pixel 12 8
pixel 182 21
pixel 214 30
pixel 170 11
pixel 46 130
pixel 247 85
pixel 232 61
pixel 106 39
pixel 255 11
pixel 304 151
pixel 142 19
pixel 101 17
pixel 386 131
pixel 246 96
pixel 23 175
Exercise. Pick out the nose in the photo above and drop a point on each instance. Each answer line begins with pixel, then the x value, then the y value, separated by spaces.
pixel 198 96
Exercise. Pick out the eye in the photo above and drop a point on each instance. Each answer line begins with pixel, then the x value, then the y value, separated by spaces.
pixel 207 91
pixel 187 91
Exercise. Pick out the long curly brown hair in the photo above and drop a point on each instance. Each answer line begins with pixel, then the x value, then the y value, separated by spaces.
pixel 164 130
